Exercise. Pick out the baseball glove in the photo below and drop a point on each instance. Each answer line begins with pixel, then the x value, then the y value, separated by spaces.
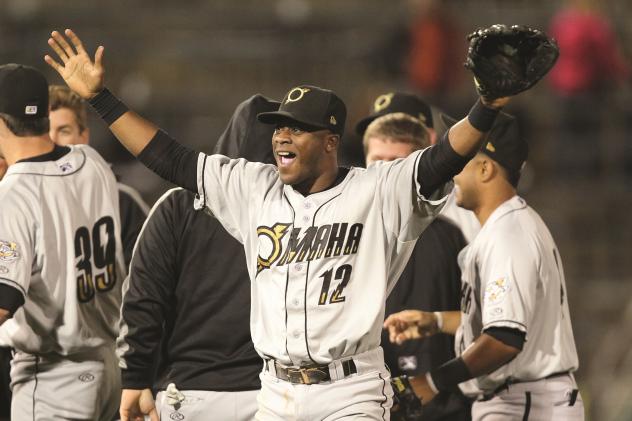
pixel 406 405
pixel 507 60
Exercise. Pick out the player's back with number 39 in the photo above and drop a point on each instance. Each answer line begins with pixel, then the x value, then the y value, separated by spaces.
pixel 61 262
pixel 75 252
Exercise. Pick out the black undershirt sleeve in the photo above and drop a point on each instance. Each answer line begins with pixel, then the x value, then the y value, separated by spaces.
pixel 438 165
pixel 171 160
pixel 512 337
pixel 10 298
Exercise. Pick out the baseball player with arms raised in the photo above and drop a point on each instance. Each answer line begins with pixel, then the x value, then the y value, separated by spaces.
pixel 513 333
pixel 61 264
pixel 324 245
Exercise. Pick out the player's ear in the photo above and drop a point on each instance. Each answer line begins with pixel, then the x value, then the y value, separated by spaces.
pixel 487 169
pixel 332 141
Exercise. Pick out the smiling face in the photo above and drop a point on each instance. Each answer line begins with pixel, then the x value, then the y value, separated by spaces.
pixel 303 157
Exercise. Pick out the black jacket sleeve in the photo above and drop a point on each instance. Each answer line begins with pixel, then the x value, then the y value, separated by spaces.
pixel 171 160
pixel 133 212
pixel 149 295
pixel 438 164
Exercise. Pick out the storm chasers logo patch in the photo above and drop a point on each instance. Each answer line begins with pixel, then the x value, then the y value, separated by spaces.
pixel 306 244
pixel 8 251
pixel 270 244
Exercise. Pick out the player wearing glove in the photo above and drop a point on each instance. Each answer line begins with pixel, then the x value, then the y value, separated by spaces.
pixel 310 230
pixel 513 289
pixel 507 60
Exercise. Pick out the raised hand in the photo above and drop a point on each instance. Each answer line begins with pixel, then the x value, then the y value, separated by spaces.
pixel 410 324
pixel 80 73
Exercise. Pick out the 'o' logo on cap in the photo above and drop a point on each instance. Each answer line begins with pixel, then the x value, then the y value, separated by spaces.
pixel 30 110
pixel 382 102
pixel 490 147
pixel 332 120
pixel 296 94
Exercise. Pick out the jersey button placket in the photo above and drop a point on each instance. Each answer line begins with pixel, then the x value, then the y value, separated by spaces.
pixel 296 312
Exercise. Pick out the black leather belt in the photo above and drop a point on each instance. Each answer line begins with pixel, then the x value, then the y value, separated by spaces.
pixel 310 374
pixel 509 382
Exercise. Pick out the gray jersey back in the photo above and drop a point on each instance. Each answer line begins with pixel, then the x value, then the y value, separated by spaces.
pixel 513 277
pixel 60 246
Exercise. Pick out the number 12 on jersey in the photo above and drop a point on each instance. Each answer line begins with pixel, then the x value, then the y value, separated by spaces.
pixel 342 274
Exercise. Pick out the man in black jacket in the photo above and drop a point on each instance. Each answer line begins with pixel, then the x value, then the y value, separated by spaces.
pixel 189 296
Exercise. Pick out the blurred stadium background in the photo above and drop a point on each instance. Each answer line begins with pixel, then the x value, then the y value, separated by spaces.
pixel 187 64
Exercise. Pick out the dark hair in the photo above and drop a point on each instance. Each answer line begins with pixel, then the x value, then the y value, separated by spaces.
pixel 512 177
pixel 26 127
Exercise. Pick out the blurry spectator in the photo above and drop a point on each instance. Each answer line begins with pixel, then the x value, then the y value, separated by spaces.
pixel 437 48
pixel 589 67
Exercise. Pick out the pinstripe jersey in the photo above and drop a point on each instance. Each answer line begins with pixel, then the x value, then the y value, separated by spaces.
pixel 321 265
pixel 513 277
pixel 60 248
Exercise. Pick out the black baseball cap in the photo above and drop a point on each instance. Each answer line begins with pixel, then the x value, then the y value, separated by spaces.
pixel 504 144
pixel 397 102
pixel 23 91
pixel 311 108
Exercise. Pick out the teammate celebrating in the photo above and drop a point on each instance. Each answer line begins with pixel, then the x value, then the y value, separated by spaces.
pixel 324 245
pixel 513 290
pixel 61 264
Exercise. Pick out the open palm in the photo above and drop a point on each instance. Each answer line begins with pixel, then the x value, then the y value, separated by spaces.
pixel 80 73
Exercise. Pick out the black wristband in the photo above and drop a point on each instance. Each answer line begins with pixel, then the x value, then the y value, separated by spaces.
pixel 109 107
pixel 482 117
pixel 449 375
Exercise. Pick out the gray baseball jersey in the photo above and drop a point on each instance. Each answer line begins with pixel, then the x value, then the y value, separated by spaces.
pixel 513 277
pixel 321 265
pixel 60 247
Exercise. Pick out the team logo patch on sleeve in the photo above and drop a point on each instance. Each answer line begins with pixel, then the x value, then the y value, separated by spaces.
pixel 8 251
pixel 496 291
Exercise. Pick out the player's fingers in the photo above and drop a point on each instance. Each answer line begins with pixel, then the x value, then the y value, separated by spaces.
pixel 63 43
pixel 98 57
pixel 57 49
pixel 400 338
pixel 52 63
pixel 75 41
pixel 390 320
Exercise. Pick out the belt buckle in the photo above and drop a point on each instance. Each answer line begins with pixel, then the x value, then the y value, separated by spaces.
pixel 298 375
